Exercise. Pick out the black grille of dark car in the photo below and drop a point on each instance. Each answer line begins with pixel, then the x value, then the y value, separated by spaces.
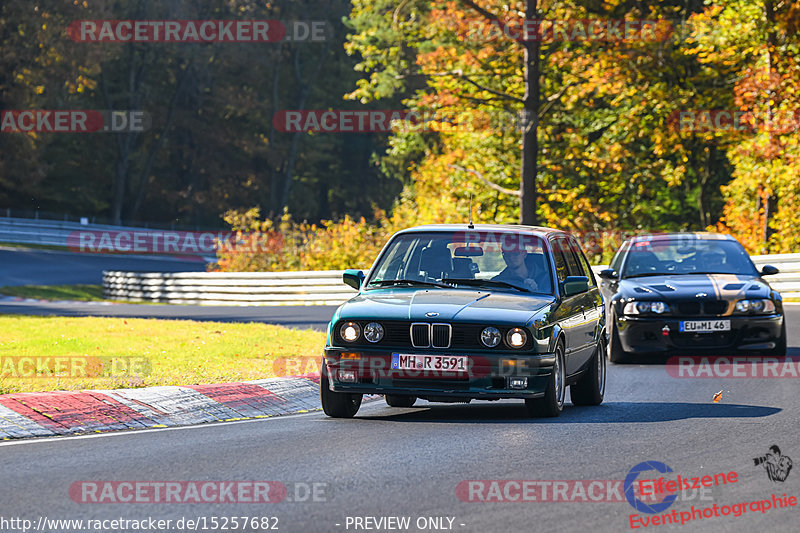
pixel 467 336
pixel 441 335
pixel 719 339
pixel 689 308
pixel 397 334
pixel 703 307
pixel 447 384
pixel 419 335
pixel 715 307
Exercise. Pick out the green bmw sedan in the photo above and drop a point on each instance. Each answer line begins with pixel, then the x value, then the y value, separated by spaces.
pixel 452 313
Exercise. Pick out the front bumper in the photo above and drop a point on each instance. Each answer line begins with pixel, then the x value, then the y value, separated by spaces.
pixel 747 333
pixel 487 377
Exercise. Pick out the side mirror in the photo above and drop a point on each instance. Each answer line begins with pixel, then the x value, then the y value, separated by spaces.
pixel 354 278
pixel 608 273
pixel 575 285
pixel 769 270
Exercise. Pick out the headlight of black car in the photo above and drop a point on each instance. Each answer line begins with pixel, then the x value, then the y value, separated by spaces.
pixel 516 337
pixel 373 332
pixel 350 331
pixel 490 337
pixel 760 306
pixel 645 308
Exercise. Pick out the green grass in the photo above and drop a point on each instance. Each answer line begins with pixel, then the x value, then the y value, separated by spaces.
pixel 33 246
pixel 168 352
pixel 83 293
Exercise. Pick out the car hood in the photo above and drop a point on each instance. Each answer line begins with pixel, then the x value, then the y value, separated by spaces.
pixel 462 305
pixel 717 286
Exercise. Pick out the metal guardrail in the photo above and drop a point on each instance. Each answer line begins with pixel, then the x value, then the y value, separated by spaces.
pixel 57 232
pixel 222 288
pixel 47 232
pixel 310 288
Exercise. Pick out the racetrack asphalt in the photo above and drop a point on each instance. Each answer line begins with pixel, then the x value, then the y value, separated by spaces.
pixel 24 266
pixel 408 462
pixel 302 317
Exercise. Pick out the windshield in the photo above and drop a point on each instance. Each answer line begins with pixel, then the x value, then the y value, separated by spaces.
pixel 686 255
pixel 500 261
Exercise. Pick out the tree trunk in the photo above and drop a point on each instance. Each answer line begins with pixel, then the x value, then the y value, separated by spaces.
pixel 305 89
pixel 530 140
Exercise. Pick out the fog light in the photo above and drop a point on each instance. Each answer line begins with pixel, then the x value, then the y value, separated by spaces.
pixel 517 383
pixel 347 376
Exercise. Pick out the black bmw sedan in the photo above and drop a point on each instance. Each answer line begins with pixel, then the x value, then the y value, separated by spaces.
pixel 690 292
pixel 451 313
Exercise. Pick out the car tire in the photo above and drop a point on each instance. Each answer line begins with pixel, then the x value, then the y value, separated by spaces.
pixel 394 400
pixel 780 345
pixel 615 352
pixel 553 402
pixel 591 387
pixel 337 404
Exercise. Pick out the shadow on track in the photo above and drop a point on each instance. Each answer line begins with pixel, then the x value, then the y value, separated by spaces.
pixel 607 413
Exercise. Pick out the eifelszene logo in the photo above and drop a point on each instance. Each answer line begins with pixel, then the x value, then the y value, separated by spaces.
pixel 777 466
pixel 630 495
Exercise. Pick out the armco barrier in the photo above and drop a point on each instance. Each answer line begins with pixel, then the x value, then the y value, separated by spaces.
pixel 221 288
pixel 47 232
pixel 57 232
pixel 310 288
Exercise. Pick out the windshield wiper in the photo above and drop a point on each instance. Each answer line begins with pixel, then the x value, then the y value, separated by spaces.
pixel 382 282
pixel 647 274
pixel 490 282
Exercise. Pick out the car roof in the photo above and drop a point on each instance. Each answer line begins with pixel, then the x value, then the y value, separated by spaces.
pixel 540 231
pixel 697 235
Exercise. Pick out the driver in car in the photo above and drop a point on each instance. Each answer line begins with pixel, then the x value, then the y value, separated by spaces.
pixel 516 271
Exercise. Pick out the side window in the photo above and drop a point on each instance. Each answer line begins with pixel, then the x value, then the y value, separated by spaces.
pixel 616 263
pixel 559 260
pixel 587 270
pixel 568 247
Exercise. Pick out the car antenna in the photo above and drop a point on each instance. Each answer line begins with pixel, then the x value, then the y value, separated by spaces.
pixel 470 225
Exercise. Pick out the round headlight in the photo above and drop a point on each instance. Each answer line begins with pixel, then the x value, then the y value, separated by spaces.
pixel 757 305
pixel 516 337
pixel 490 337
pixel 659 307
pixel 743 306
pixel 643 307
pixel 373 332
pixel 350 331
